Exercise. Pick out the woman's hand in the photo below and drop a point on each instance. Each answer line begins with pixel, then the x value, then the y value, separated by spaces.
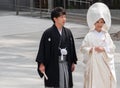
pixel 99 49
pixel 91 50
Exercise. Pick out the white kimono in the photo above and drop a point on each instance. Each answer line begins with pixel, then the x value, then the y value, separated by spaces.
pixel 99 71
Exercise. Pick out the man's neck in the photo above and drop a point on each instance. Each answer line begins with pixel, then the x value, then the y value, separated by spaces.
pixel 59 27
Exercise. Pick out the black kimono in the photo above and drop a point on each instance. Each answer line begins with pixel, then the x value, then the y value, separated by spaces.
pixel 49 52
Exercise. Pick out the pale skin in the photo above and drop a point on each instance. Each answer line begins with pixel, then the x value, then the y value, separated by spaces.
pixel 59 23
pixel 98 27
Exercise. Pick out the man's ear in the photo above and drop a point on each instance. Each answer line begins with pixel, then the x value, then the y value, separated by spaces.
pixel 54 19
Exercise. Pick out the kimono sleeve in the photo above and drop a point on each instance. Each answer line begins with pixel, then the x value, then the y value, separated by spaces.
pixel 41 50
pixel 41 53
pixel 85 47
pixel 110 47
pixel 73 54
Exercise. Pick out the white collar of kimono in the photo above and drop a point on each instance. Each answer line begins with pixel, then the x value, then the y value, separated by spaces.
pixel 97 11
pixel 99 33
pixel 60 31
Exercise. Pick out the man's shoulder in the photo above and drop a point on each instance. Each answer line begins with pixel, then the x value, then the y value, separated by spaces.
pixel 67 30
pixel 48 30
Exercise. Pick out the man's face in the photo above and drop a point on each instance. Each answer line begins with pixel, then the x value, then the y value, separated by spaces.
pixel 60 20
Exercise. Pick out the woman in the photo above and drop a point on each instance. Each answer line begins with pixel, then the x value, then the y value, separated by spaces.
pixel 98 49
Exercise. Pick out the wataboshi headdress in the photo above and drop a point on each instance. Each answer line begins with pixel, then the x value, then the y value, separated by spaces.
pixel 95 12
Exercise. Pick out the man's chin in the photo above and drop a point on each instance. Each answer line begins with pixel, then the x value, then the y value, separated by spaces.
pixel 63 24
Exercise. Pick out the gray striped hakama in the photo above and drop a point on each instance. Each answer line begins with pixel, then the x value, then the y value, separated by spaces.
pixel 63 75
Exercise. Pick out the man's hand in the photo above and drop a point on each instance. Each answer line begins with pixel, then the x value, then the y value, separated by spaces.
pixel 73 67
pixel 42 68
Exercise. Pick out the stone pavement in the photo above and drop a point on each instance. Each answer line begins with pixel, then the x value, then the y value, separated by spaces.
pixel 19 42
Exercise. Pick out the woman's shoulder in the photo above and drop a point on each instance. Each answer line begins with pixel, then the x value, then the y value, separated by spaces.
pixel 90 33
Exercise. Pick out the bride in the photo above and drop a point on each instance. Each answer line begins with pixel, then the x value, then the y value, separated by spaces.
pixel 98 49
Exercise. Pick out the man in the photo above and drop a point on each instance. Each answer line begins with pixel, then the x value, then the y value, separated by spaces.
pixel 56 57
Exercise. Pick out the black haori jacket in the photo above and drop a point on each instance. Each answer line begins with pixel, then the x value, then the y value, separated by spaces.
pixel 49 52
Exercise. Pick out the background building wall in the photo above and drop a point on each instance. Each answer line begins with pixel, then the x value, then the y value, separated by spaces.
pixel 7 4
pixel 68 4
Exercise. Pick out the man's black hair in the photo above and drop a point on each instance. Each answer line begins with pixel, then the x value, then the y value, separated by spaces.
pixel 57 12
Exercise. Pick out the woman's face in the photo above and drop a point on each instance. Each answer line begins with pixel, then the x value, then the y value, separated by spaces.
pixel 99 24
